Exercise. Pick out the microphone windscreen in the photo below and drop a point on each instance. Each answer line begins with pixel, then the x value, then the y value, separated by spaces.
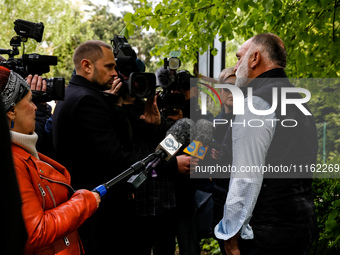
pixel 164 77
pixel 184 130
pixel 204 131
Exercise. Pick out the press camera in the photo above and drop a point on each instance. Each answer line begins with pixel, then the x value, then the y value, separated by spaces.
pixel 139 84
pixel 33 63
pixel 170 79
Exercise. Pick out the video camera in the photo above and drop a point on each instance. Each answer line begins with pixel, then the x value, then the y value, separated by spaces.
pixel 33 63
pixel 172 80
pixel 139 84
pixel 173 63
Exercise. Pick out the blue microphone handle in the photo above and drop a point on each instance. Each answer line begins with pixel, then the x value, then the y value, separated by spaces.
pixel 135 168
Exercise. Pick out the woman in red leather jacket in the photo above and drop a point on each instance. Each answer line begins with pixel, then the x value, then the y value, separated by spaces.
pixel 52 211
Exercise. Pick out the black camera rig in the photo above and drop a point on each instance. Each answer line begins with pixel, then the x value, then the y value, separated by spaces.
pixel 139 84
pixel 33 63
pixel 170 79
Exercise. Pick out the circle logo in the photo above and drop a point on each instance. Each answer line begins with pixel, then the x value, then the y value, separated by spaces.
pixel 201 151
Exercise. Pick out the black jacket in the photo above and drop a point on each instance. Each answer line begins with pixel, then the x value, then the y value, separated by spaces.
pixel 90 135
pixel 93 139
pixel 284 214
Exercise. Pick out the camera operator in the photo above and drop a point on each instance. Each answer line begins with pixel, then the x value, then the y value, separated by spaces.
pixel 44 111
pixel 91 136
pixel 177 86
pixel 154 200
pixel 43 114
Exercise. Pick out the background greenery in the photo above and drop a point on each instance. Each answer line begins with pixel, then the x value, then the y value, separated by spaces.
pixel 310 30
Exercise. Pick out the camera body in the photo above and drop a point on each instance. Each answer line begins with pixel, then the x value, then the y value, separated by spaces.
pixel 172 80
pixel 33 63
pixel 28 29
pixel 139 84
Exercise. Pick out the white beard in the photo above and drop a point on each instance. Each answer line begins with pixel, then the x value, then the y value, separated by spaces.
pixel 242 73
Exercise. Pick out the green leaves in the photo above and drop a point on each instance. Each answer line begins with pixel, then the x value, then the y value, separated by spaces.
pixel 193 24
pixel 225 29
pixel 172 34
pixel 128 17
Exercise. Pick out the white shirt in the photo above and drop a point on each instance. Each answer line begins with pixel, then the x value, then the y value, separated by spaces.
pixel 250 146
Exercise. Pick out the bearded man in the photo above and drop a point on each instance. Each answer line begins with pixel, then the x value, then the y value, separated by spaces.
pixel 93 138
pixel 268 214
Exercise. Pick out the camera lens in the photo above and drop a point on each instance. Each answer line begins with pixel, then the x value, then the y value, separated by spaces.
pixel 174 63
pixel 140 86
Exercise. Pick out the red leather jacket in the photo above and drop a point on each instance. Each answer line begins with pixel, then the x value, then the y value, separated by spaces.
pixel 51 216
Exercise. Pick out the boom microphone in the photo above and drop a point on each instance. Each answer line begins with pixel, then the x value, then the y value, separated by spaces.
pixel 199 146
pixel 164 77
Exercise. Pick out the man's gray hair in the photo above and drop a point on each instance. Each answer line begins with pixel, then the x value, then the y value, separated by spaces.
pixel 273 46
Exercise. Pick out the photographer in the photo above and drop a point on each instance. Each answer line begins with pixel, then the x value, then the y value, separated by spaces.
pixel 180 100
pixel 92 137
pixel 154 200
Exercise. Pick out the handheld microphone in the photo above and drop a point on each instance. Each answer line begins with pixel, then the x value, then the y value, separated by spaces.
pixel 184 130
pixel 199 146
pixel 176 136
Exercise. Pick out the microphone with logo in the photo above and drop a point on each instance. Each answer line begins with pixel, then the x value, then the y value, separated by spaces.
pixel 176 136
pixel 199 146
pixel 180 132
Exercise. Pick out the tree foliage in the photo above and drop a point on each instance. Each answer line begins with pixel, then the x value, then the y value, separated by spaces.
pixel 64 29
pixel 106 24
pixel 310 29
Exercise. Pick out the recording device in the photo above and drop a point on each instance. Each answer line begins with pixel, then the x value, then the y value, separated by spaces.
pixel 53 91
pixel 177 135
pixel 169 79
pixel 33 63
pixel 173 63
pixel 139 84
pixel 172 81
pixel 184 130
pixel 28 29
pixel 165 150
pixel 203 139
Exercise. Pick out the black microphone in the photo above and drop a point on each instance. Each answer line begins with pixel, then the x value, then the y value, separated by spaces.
pixel 184 130
pixel 164 77
pixel 203 139
pixel 177 135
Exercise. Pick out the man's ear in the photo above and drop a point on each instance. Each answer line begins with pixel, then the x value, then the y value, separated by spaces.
pixel 87 66
pixel 255 59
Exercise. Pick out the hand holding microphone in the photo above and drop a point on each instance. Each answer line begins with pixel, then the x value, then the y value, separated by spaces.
pixel 186 164
pixel 200 145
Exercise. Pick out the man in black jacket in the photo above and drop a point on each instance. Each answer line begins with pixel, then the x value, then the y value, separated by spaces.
pixel 268 215
pixel 92 138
